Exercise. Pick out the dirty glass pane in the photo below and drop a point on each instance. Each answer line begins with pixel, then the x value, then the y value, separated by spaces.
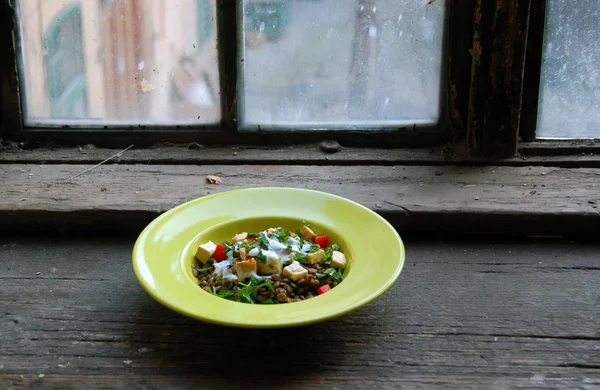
pixel 115 62
pixel 570 82
pixel 341 62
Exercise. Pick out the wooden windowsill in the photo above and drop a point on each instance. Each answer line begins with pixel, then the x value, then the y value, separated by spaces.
pixel 414 190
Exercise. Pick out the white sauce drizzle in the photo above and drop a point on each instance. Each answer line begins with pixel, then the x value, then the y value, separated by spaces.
pixel 275 245
pixel 305 248
pixel 229 277
pixel 222 267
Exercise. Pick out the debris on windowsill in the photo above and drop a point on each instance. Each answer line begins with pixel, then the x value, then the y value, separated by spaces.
pixel 11 145
pixel 195 145
pixel 127 361
pixel 86 146
pixel 330 146
pixel 100 163
pixel 213 179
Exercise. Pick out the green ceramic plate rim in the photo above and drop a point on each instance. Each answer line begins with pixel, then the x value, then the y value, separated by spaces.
pixel 274 324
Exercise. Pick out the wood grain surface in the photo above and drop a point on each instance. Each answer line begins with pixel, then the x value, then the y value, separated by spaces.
pixel 294 155
pixel 538 200
pixel 463 314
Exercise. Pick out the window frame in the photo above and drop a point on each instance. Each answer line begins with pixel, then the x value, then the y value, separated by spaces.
pixel 466 91
pixel 227 132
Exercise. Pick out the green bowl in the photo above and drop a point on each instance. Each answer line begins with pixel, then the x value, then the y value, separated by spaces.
pixel 164 253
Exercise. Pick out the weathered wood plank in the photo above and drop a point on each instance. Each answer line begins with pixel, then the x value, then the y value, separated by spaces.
pixel 299 154
pixel 296 155
pixel 499 42
pixel 463 314
pixel 503 199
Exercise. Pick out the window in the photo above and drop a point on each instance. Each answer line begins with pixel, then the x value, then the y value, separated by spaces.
pixel 312 64
pixel 367 72
pixel 333 63
pixel 111 62
pixel 570 79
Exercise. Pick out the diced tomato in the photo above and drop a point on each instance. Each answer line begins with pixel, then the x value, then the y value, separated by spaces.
pixel 323 289
pixel 321 241
pixel 251 238
pixel 219 253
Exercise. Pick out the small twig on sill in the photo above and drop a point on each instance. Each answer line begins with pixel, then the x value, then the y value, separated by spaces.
pixel 406 211
pixel 100 163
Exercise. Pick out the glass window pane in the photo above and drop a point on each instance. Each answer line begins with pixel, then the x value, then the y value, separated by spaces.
pixel 570 79
pixel 341 63
pixel 115 62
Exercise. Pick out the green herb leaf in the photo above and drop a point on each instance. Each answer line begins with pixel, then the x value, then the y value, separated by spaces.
pixel 249 291
pixel 264 240
pixel 314 248
pixel 336 247
pixel 248 245
pixel 252 235
pixel 261 257
pixel 330 273
pixel 281 234
pixel 203 271
pixel 226 293
pixel 300 257
pixel 268 302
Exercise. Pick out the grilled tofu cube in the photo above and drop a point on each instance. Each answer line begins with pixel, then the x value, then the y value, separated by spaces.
pixel 295 271
pixel 242 252
pixel 273 265
pixel 271 231
pixel 245 269
pixel 307 233
pixel 205 251
pixel 315 257
pixel 338 260
pixel 239 237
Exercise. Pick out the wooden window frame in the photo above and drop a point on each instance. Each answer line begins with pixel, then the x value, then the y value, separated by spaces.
pixel 487 103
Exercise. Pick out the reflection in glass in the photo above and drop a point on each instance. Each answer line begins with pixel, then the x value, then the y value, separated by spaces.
pixel 343 62
pixel 570 79
pixel 119 61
